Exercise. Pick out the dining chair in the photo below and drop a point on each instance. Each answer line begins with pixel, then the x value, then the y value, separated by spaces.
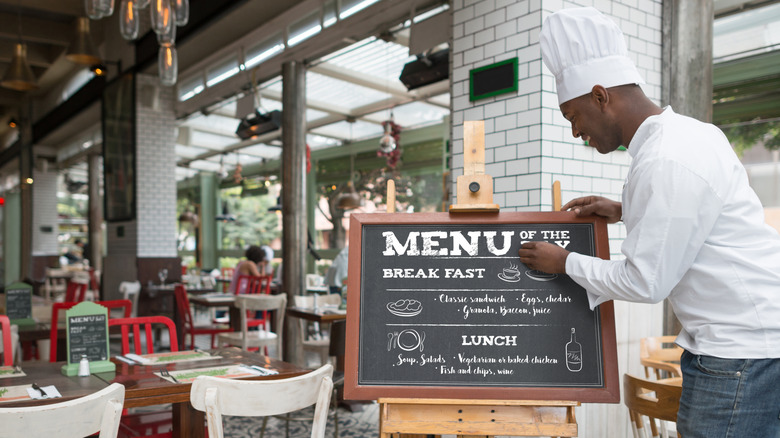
pixel 130 290
pixel 251 398
pixel 75 418
pixel 652 402
pixel 188 320
pixel 661 356
pixel 318 339
pixel 8 348
pixel 54 283
pixel 123 305
pixel 250 285
pixel 261 337
pixel 76 291
pixel 142 329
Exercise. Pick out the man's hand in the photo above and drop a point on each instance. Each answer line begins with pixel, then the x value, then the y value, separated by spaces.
pixel 544 256
pixel 600 206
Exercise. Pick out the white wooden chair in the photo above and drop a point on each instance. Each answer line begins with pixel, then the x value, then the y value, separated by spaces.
pixel 261 337
pixel 75 418
pixel 130 291
pixel 54 284
pixel 246 398
pixel 319 341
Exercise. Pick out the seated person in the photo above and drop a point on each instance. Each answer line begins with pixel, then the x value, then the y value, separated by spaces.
pixel 253 265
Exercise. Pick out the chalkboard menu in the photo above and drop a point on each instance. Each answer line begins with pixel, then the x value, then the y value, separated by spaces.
pixel 18 303
pixel 439 305
pixel 87 335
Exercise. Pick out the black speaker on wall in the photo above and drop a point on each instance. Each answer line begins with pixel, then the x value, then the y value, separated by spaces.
pixel 426 70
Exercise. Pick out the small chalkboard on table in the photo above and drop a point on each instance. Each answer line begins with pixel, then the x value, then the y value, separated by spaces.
pixel 86 326
pixel 18 303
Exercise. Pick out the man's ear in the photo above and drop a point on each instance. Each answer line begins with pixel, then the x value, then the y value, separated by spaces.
pixel 600 96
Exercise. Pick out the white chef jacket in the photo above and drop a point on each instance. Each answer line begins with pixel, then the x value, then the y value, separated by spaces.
pixel 696 235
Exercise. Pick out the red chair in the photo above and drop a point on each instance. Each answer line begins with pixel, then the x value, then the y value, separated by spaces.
pixel 125 305
pixel 76 292
pixel 146 424
pixel 188 320
pixel 254 284
pixel 139 324
pixel 5 325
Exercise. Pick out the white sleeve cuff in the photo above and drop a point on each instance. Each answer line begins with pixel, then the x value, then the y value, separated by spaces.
pixel 576 267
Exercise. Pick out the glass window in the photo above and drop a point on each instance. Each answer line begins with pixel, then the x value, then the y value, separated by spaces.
pixel 265 50
pixel 222 71
pixel 304 29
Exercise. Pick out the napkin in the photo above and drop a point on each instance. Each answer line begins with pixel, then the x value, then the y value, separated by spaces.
pixel 139 359
pixel 51 392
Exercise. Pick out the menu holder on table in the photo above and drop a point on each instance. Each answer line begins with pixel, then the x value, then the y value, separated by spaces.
pixel 169 357
pixel 87 335
pixel 6 372
pixel 227 371
pixel 18 304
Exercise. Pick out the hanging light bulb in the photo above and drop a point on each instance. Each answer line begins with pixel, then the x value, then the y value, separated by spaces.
pixel 128 20
pixel 182 11
pixel 162 16
pixel 168 37
pixel 107 7
pixel 167 64
pixel 93 9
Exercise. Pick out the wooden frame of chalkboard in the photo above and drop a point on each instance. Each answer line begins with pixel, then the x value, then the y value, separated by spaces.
pixel 494 79
pixel 440 306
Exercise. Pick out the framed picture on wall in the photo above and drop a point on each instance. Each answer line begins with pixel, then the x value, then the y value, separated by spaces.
pixel 118 115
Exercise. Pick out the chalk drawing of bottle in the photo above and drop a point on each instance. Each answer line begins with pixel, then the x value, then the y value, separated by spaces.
pixel 573 354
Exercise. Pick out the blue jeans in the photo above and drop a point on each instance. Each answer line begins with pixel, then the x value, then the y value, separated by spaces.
pixel 729 398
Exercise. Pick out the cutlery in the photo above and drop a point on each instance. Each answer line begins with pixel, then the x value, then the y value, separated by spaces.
pixel 165 373
pixel 39 389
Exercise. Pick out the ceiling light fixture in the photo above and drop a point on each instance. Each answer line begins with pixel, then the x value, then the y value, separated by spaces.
pixel 19 75
pixel 82 49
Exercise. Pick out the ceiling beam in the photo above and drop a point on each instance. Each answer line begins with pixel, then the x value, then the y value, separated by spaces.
pixel 354 77
pixel 36 30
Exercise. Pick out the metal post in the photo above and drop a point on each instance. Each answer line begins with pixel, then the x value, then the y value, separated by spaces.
pixel 293 196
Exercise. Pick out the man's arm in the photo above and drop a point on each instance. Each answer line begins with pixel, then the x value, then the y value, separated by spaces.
pixel 600 206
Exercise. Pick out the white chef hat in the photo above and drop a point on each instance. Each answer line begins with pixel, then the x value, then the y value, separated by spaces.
pixel 583 48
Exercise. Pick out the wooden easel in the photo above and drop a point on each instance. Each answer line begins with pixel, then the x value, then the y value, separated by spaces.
pixel 476 418
pixel 410 417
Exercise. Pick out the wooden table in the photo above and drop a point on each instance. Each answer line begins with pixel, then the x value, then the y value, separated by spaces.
pixel 321 315
pixel 144 388
pixel 47 373
pixel 220 300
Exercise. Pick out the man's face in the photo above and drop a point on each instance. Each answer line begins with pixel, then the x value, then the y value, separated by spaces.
pixel 589 121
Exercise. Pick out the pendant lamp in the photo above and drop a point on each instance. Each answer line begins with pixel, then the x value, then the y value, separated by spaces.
pixel 129 23
pixel 82 50
pixel 162 16
pixel 19 75
pixel 181 11
pixel 167 65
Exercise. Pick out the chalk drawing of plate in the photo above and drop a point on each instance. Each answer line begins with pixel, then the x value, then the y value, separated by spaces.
pixel 409 340
pixel 540 276
pixel 405 308
pixel 509 279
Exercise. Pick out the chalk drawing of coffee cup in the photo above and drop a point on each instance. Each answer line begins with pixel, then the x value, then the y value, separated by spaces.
pixel 510 274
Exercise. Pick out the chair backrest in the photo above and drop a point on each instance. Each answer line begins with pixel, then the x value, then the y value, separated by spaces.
pixel 183 305
pixel 650 398
pixel 253 284
pixel 125 305
pixel 75 418
pixel 252 398
pixel 262 302
pixel 142 330
pixel 76 291
pixel 8 349
pixel 130 291
pixel 659 354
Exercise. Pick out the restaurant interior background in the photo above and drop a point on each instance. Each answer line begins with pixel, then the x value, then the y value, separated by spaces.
pixel 228 60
